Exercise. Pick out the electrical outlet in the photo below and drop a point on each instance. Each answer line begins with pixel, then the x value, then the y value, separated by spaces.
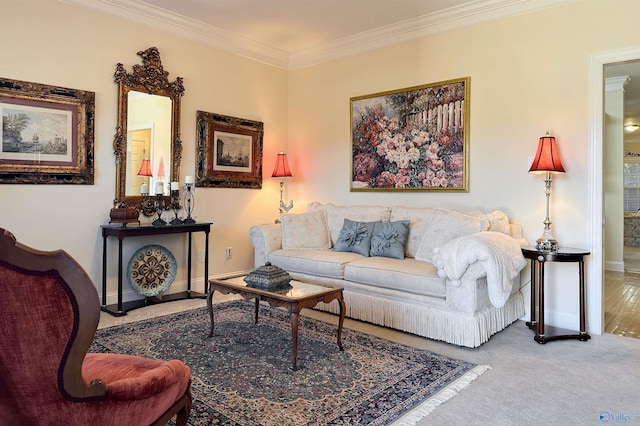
pixel 228 253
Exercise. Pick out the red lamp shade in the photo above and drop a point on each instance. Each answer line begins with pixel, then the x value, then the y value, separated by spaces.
pixel 145 168
pixel 547 158
pixel 282 167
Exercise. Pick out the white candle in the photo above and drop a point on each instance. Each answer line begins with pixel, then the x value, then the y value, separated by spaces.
pixel 188 179
pixel 160 188
pixel 175 186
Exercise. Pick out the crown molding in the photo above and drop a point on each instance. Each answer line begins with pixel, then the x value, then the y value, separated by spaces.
pixel 474 13
pixel 183 26
pixel 422 26
pixel 612 84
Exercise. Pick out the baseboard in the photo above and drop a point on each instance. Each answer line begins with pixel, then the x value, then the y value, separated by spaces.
pixel 197 284
pixel 564 320
pixel 129 295
pixel 613 266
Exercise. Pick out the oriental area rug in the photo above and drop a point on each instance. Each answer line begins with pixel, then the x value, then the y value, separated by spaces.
pixel 243 376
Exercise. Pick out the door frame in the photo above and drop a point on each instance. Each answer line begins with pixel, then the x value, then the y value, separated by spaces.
pixel 595 291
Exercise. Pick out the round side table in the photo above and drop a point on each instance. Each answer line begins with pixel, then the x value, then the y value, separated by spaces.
pixel 538 259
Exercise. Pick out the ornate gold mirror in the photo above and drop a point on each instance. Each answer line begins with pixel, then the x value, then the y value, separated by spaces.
pixel 147 142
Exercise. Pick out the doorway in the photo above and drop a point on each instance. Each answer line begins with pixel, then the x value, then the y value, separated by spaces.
pixel 622 303
pixel 140 150
pixel 615 298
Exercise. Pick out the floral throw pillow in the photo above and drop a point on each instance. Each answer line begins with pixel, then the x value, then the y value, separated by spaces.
pixel 389 239
pixel 355 237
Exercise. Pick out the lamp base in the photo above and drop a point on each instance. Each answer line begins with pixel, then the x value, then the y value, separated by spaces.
pixel 544 244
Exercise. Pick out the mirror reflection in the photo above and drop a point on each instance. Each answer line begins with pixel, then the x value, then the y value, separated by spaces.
pixel 148 138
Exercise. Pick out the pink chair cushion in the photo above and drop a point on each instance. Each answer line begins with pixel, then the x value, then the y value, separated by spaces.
pixel 130 377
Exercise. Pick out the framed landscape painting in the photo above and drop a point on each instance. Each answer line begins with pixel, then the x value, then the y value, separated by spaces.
pixel 229 152
pixel 47 134
pixel 413 139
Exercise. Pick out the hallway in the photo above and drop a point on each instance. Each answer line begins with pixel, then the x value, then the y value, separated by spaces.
pixel 622 303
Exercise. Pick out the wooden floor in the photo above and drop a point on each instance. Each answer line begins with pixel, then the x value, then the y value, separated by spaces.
pixel 622 303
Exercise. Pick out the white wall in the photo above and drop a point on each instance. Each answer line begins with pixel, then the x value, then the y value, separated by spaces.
pixel 613 173
pixel 529 74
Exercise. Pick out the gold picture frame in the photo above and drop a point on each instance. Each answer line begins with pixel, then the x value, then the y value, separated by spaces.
pixel 229 151
pixel 412 139
pixel 47 134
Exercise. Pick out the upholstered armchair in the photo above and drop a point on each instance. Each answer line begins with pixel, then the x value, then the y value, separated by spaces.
pixel 49 313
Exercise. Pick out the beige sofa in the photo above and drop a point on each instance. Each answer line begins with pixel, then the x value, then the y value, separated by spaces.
pixel 437 273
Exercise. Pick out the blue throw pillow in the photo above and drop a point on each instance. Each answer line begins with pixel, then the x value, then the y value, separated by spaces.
pixel 355 237
pixel 389 239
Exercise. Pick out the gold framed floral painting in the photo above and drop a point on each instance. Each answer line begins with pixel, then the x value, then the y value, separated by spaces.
pixel 412 139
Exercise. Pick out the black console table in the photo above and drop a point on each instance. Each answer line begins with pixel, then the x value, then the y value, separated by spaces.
pixel 122 232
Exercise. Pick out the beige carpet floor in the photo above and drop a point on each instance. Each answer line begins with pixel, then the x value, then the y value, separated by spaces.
pixel 560 383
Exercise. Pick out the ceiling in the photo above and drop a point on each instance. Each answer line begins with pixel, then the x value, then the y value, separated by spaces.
pixel 294 25
pixel 296 33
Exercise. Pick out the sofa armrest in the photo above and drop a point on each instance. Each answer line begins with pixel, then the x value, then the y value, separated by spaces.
pixel 517 234
pixel 265 239
pixel 469 293
pixel 491 255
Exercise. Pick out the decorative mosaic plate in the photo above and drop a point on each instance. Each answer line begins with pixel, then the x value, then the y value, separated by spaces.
pixel 151 270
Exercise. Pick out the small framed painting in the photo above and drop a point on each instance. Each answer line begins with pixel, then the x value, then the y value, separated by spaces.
pixel 229 151
pixel 47 134
pixel 413 139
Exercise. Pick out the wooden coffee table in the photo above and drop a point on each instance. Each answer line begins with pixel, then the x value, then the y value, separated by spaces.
pixel 302 295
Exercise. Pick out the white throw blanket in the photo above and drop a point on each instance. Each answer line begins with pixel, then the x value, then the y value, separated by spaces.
pixel 499 254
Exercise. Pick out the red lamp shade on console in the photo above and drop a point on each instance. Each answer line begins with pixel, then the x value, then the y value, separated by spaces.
pixel 282 171
pixel 145 171
pixel 145 168
pixel 547 160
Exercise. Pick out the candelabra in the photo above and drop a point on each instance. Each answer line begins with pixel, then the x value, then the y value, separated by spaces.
pixel 189 201
pixel 175 205
pixel 159 208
